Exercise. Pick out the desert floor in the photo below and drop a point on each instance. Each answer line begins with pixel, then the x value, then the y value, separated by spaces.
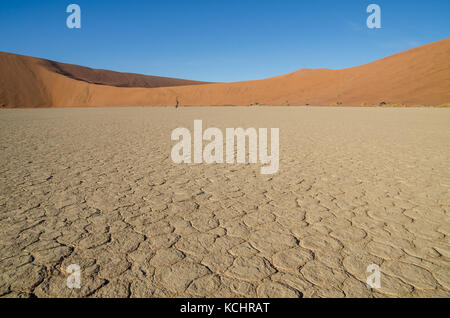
pixel 97 188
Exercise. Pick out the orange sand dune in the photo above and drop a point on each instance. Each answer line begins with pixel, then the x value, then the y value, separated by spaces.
pixel 111 78
pixel 420 76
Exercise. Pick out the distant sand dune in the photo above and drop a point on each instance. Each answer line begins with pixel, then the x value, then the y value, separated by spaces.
pixel 420 76
pixel 111 78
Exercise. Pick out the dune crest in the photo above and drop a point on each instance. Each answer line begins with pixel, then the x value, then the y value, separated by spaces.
pixel 420 76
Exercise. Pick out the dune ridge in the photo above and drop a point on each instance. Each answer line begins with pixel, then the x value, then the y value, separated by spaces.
pixel 420 76
pixel 112 78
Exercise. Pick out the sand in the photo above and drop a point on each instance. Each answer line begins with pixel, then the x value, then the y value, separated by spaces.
pixel 420 76
pixel 97 188
pixel 111 78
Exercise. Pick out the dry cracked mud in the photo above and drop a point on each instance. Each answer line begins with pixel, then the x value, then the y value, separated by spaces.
pixel 97 188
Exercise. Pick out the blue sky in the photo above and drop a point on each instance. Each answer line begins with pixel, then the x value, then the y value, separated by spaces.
pixel 219 40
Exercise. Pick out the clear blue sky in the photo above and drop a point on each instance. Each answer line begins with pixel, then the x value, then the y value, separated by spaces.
pixel 219 40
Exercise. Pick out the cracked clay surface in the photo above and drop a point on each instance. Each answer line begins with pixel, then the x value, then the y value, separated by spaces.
pixel 97 188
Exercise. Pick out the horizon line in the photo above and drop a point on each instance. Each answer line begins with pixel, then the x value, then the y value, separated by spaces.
pixel 220 82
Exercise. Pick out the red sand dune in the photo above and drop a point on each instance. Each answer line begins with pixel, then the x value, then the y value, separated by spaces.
pixel 104 77
pixel 420 76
